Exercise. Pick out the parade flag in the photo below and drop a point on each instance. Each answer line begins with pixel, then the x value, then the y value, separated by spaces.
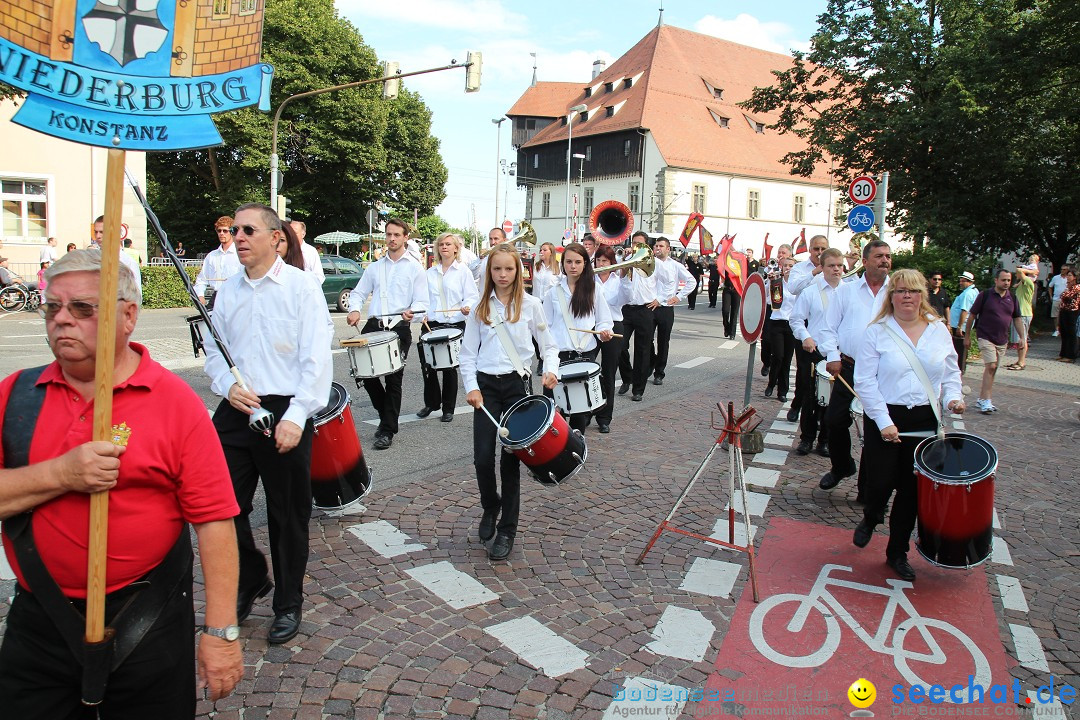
pixel 722 252
pixel 693 222
pixel 767 249
pixel 735 267
pixel 707 243
pixel 799 246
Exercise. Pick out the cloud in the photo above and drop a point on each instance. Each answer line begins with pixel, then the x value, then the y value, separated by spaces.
pixel 748 30
pixel 481 16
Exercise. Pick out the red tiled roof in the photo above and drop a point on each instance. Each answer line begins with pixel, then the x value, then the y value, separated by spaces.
pixel 546 99
pixel 672 101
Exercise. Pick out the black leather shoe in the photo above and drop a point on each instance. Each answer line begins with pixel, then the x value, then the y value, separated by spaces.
pixel 822 449
pixel 902 567
pixel 284 628
pixel 500 549
pixel 765 370
pixel 447 417
pixel 636 397
pixel 769 390
pixel 487 524
pixel 246 600
pixel 658 381
pixel 829 480
pixel 793 414
pixel 425 411
pixel 603 428
pixel 804 448
pixel 782 397
pixel 383 441
pixel 624 388
pixel 863 532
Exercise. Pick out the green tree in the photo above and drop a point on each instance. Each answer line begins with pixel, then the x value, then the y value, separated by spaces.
pixel 960 101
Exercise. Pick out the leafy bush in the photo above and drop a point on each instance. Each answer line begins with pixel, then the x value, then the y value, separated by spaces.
pixel 163 288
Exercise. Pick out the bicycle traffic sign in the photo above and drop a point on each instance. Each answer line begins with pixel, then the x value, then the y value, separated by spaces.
pixel 860 218
pixel 862 190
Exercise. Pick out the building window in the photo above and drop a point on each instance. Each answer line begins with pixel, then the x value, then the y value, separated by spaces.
pixel 634 197
pixel 840 212
pixel 609 86
pixel 626 148
pixel 25 204
pixel 587 210
pixel 247 7
pixel 718 93
pixel 530 123
pixel 588 152
pixel 545 205
pixel 759 128
pixel 699 198
pixel 222 9
pixel 798 208
pixel 753 204
pixel 588 92
pixel 628 83
pixel 720 119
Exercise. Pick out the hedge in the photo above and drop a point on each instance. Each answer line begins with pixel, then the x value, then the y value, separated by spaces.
pixel 163 288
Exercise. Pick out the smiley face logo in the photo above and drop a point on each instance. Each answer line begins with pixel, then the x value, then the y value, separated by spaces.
pixel 862 693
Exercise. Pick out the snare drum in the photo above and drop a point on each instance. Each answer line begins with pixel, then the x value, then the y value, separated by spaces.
pixel 540 438
pixel 374 354
pixel 441 347
pixel 200 334
pixel 579 388
pixel 823 382
pixel 955 478
pixel 339 474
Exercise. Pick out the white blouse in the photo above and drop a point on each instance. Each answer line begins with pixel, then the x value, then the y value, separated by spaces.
pixel 883 375
pixel 566 339
pixel 543 280
pixel 616 292
pixel 481 350
pixel 449 289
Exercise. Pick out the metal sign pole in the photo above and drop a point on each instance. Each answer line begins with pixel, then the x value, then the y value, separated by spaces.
pixel 749 373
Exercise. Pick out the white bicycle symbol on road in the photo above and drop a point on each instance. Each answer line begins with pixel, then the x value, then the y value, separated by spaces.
pixel 825 603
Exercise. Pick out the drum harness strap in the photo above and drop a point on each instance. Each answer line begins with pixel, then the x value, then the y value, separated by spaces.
pixel 566 319
pixel 920 372
pixel 139 612
pixel 384 298
pixel 508 345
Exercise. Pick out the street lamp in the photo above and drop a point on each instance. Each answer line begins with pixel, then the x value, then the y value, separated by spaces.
pixel 569 137
pixel 580 182
pixel 498 154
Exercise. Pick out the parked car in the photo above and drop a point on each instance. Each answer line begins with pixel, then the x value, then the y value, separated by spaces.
pixel 342 275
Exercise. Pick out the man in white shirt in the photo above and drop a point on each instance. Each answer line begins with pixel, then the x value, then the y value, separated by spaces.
pixel 806 321
pixel 132 265
pixel 274 320
pixel 639 323
pixel 781 341
pixel 673 283
pixel 49 253
pixel 1057 286
pixel 312 261
pixel 219 265
pixel 801 277
pixel 854 306
pixel 590 246
pixel 496 236
pixel 398 289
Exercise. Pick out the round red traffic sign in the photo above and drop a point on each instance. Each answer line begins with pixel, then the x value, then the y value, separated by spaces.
pixel 752 308
pixel 508 227
pixel 862 190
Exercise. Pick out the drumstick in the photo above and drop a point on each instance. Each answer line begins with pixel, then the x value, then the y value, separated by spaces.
pixel 503 432
pixel 850 389
pixel 450 310
pixel 595 332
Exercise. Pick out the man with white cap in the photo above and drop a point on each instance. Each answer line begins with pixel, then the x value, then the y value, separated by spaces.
pixel 958 315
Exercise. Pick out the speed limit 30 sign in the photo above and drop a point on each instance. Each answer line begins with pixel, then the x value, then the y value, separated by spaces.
pixel 862 190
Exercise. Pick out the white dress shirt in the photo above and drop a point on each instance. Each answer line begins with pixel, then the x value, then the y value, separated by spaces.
pixel 852 308
pixel 466 256
pixel 133 265
pixel 278 331
pixel 808 316
pixel 883 375
pixel 784 311
pixel 616 292
pixel 312 261
pixel 565 338
pixel 543 280
pixel 642 288
pixel 481 350
pixel 48 254
pixel 217 267
pixel 451 288
pixel 668 276
pixel 404 282
pixel 800 277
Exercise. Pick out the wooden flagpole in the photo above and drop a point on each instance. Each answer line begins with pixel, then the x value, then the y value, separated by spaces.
pixel 103 391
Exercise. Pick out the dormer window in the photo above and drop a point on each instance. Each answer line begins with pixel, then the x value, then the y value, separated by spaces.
pixel 720 119
pixel 612 109
pixel 758 127
pixel 609 86
pixel 584 116
pixel 588 92
pixel 629 82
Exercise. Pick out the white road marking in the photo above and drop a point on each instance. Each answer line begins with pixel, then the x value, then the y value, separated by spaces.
pixel 700 360
pixel 1029 649
pixel 762 477
pixel 714 578
pixel 354 509
pixel 720 532
pixel 6 573
pixel 183 363
pixel 755 502
pixel 958 424
pixel 956 416
pixel 784 425
pixel 1051 710
pixel 769 456
pixel 682 633
pixel 999 552
pixel 642 697
pixel 457 589
pixel 779 439
pixel 1012 593
pixel 728 345
pixel 539 646
pixel 385 539
pixel 997 521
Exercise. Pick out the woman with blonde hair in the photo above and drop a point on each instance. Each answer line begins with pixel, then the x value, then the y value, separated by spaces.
pixel 546 270
pixel 905 368
pixel 495 377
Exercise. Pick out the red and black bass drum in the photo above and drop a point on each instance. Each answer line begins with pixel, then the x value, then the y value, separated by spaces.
pixel 339 474
pixel 540 437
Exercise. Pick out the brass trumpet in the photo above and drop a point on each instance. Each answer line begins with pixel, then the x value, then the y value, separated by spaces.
pixel 642 260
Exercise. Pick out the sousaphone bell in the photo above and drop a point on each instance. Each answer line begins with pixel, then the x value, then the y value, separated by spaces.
pixel 611 222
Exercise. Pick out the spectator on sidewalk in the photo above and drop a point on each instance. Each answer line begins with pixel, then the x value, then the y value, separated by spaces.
pixel 958 315
pixel 1056 287
pixel 1070 309
pixel 938 298
pixel 991 314
pixel 1025 297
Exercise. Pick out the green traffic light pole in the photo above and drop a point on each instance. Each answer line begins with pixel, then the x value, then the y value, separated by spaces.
pixel 394 76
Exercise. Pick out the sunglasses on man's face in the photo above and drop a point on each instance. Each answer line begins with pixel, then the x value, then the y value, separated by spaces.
pixel 248 230
pixel 79 309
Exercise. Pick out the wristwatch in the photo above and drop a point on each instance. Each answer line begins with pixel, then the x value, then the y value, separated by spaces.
pixel 229 633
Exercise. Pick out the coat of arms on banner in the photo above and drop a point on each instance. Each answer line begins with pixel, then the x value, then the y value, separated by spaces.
pixel 133 74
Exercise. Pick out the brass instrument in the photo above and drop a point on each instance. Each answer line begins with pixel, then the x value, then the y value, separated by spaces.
pixel 527 236
pixel 611 222
pixel 642 259
pixel 854 248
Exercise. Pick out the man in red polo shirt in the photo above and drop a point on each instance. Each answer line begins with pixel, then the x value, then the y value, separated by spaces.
pixel 166 469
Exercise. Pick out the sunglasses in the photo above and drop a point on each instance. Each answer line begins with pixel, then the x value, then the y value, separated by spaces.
pixel 248 230
pixel 79 309
pixel 225 230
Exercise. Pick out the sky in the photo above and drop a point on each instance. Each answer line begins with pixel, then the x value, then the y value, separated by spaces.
pixel 566 37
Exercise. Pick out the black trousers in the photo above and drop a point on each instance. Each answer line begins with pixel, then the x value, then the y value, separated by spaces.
pixel 387 400
pixel 766 343
pixel 691 299
pixel 811 417
pixel 610 352
pixel 41 680
pixel 639 323
pixel 1067 325
pixel 783 347
pixel 804 374
pixel 838 419
pixel 434 396
pixel 961 351
pixel 286 481
pixel 894 465
pixel 714 288
pixel 729 309
pixel 665 320
pixel 500 392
